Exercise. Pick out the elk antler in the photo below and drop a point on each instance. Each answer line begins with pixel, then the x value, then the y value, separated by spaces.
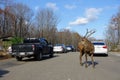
pixel 86 33
pixel 89 33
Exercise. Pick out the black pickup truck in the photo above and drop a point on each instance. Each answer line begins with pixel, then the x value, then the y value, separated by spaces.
pixel 32 47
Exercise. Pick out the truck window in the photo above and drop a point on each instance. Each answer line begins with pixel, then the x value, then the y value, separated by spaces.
pixel 43 42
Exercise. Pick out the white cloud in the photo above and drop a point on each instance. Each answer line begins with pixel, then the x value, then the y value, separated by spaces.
pixel 79 21
pixel 91 14
pixel 70 6
pixel 52 6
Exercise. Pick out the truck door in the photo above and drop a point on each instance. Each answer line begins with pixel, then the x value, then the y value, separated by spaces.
pixel 46 48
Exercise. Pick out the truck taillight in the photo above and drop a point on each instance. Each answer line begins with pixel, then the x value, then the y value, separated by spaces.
pixel 104 46
pixel 33 47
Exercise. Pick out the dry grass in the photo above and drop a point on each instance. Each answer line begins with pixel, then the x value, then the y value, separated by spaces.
pixel 115 50
pixel 4 55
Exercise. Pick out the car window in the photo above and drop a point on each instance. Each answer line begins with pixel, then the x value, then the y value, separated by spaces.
pixel 59 45
pixel 98 43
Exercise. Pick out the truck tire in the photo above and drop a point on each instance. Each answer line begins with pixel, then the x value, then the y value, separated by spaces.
pixel 38 56
pixel 51 53
pixel 18 58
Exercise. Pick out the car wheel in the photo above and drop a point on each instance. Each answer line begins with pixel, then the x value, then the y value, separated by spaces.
pixel 106 55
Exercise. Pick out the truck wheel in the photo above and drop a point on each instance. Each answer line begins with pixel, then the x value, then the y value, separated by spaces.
pixel 39 56
pixel 51 53
pixel 19 58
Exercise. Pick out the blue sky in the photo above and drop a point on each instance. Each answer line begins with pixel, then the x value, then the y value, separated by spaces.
pixel 79 15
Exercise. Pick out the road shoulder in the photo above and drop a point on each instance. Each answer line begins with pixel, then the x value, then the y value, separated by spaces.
pixel 115 53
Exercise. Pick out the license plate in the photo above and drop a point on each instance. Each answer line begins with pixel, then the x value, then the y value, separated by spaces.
pixel 22 53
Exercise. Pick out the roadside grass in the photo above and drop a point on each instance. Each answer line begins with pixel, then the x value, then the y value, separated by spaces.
pixel 5 43
pixel 115 51
pixel 4 52
pixel 4 55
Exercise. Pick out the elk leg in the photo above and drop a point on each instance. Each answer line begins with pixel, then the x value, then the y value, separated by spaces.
pixel 81 54
pixel 92 60
pixel 86 60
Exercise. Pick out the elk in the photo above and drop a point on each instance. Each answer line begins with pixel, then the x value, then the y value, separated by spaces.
pixel 86 47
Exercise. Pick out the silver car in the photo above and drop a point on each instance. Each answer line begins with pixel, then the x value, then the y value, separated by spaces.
pixel 59 48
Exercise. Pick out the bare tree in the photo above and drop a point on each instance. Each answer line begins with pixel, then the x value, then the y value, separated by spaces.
pixel 75 39
pixel 113 32
pixel 111 37
pixel 46 23
pixel 23 15
pixel 6 18
pixel 64 37
pixel 68 37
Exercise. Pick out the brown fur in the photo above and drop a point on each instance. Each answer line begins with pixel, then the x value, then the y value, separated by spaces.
pixel 87 48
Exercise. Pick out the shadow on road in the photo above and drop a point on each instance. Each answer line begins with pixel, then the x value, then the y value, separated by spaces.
pixel 100 55
pixel 43 58
pixel 3 72
pixel 47 57
pixel 89 63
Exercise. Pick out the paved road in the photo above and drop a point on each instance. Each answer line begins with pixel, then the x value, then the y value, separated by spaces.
pixel 61 67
